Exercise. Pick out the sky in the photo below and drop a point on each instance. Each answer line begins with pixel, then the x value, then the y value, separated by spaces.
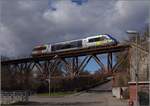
pixel 27 23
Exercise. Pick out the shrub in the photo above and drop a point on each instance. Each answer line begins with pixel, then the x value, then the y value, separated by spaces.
pixel 143 98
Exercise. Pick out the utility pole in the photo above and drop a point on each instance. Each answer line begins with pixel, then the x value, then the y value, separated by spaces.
pixel 49 82
pixel 0 80
pixel 149 62
pixel 49 77
pixel 137 70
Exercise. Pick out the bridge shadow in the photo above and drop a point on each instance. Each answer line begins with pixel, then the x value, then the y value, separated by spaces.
pixel 106 86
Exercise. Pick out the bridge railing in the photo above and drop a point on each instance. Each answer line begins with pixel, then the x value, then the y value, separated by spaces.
pixel 13 97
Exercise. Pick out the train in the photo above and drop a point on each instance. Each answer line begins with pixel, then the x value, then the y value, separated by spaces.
pixel 88 42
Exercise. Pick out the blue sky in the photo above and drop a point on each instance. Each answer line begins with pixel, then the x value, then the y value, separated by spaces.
pixel 27 23
pixel 79 2
pixel 92 66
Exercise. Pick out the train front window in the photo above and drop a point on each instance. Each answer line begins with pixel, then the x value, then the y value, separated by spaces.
pixel 93 39
pixel 97 39
pixel 102 38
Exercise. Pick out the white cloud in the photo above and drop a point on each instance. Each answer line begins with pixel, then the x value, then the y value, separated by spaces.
pixel 66 12
pixel 130 9
pixel 7 41
pixel 26 4
pixel 28 23
pixel 72 18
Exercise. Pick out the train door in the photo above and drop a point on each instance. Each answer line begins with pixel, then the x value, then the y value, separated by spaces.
pixel 49 48
pixel 84 42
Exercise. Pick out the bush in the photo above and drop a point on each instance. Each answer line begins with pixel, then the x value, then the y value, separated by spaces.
pixel 143 98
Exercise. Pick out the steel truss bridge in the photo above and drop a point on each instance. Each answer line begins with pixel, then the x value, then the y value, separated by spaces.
pixel 47 64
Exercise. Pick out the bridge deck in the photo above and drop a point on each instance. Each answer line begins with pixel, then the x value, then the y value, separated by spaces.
pixel 70 53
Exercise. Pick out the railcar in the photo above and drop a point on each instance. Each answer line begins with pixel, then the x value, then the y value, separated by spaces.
pixel 74 44
pixel 42 49
pixel 93 41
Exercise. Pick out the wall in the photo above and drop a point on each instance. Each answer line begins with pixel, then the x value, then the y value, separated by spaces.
pixel 143 86
pixel 116 91
pixel 143 65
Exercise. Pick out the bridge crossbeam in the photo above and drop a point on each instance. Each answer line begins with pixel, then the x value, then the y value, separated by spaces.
pixel 48 64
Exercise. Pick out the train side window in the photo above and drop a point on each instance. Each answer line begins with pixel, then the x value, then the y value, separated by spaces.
pixel 79 43
pixel 55 47
pixel 59 46
pixel 92 40
pixel 76 43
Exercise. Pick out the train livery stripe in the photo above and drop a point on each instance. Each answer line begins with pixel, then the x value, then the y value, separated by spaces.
pixel 102 42
pixel 109 40
pixel 98 43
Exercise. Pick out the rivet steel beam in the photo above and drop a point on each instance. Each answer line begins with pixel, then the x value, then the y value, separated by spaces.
pixel 49 63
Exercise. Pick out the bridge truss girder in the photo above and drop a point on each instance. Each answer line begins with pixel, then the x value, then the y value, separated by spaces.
pixel 73 65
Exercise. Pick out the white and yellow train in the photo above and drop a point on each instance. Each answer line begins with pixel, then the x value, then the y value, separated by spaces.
pixel 94 41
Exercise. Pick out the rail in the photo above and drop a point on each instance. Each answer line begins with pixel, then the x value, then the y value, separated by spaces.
pixel 69 53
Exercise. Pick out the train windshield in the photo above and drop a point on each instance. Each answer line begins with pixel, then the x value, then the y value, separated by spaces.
pixel 97 39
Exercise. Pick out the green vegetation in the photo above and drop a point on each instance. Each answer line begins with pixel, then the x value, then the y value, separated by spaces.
pixel 143 98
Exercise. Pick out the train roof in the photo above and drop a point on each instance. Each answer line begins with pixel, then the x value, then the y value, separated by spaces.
pixel 68 41
pixel 96 35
